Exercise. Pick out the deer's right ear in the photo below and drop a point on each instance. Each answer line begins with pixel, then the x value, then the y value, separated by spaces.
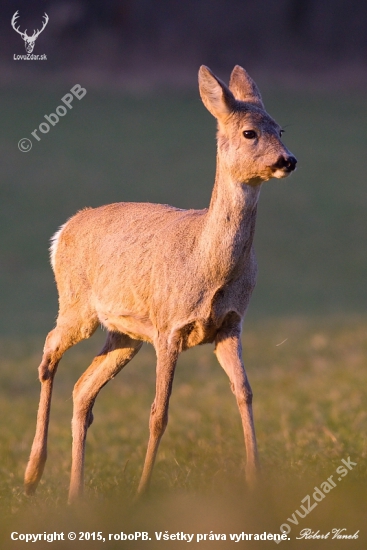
pixel 216 96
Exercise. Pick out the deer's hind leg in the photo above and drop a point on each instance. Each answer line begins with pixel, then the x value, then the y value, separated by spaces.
pixel 118 350
pixel 68 332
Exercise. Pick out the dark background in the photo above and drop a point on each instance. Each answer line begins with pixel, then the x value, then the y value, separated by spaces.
pixel 167 40
pixel 142 134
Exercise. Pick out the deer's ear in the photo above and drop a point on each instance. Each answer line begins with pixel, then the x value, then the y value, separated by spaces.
pixel 216 96
pixel 244 88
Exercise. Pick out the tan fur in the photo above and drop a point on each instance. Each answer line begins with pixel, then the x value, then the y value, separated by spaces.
pixel 174 278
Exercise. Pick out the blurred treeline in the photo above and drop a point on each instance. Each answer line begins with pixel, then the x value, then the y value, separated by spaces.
pixel 169 39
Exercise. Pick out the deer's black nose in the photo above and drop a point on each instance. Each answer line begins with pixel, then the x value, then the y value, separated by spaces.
pixel 289 163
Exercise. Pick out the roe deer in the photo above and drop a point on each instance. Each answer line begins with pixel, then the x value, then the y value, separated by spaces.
pixel 174 278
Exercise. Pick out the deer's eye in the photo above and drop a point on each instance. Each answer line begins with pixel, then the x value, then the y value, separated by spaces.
pixel 249 134
pixel 281 132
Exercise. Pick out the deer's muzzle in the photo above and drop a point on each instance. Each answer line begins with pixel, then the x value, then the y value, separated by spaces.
pixel 287 164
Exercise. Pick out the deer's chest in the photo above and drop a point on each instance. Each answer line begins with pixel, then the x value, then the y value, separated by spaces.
pixel 228 302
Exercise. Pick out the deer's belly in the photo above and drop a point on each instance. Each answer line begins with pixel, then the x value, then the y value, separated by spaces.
pixel 137 327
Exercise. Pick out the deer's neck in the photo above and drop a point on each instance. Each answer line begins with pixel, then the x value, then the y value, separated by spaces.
pixel 229 224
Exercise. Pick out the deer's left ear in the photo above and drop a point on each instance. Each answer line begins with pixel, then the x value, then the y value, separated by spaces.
pixel 244 88
pixel 216 96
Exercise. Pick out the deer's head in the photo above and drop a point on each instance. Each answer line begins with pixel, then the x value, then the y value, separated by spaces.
pixel 28 40
pixel 249 140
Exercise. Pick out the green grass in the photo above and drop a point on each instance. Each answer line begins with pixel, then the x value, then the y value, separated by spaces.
pixel 310 394
pixel 304 339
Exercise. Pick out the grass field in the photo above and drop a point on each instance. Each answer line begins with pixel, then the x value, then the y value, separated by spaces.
pixel 310 395
pixel 304 340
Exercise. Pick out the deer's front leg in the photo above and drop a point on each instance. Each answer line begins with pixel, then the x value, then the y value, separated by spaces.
pixel 229 353
pixel 165 370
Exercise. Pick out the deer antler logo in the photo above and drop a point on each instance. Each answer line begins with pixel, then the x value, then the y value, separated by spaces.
pixel 28 40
